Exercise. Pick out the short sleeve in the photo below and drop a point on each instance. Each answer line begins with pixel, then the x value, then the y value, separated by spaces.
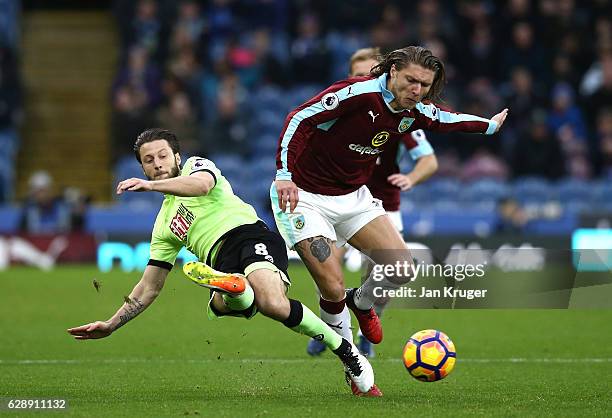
pixel 164 250
pixel 417 145
pixel 196 164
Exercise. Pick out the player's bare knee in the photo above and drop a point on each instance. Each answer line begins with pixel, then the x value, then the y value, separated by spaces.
pixel 273 306
pixel 333 291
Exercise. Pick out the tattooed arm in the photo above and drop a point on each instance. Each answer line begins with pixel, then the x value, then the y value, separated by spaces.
pixel 143 295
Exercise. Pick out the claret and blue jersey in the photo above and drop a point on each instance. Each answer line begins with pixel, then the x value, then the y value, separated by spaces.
pixel 329 145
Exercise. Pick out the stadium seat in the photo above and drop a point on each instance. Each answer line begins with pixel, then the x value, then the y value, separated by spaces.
pixel 265 146
pixel 577 207
pixel 263 168
pixel 268 121
pixel 485 190
pixel 532 190
pixel 573 190
pixel 419 195
pixel 270 98
pixel 121 219
pixel 601 193
pixel 9 142
pixel 565 224
pixel 127 167
pixel 10 216
pixel 449 221
pixel 229 164
pixel 300 94
pixel 444 189
pixel 7 180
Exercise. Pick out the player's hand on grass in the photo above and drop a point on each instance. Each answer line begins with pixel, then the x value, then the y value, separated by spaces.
pixel 500 118
pixel 91 331
pixel 287 194
pixel 402 181
pixel 134 185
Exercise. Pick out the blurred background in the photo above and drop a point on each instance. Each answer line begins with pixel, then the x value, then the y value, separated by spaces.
pixel 79 81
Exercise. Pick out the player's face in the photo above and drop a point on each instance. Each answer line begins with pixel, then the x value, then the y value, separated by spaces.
pixel 361 68
pixel 409 85
pixel 158 161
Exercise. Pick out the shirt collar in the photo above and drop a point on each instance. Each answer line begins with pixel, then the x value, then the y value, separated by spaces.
pixel 388 97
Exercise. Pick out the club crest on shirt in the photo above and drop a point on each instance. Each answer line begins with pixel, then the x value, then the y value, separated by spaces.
pixel 330 101
pixel 405 124
pixel 380 138
pixel 181 222
pixel 299 222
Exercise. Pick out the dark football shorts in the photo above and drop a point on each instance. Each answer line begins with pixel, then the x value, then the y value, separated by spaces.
pixel 246 245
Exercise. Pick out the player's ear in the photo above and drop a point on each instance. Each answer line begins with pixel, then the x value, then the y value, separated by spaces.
pixel 393 71
pixel 177 156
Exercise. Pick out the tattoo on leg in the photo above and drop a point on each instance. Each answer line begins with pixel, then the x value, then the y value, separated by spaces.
pixel 320 248
pixel 298 246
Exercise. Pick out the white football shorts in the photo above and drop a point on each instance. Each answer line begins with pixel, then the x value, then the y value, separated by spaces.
pixel 335 217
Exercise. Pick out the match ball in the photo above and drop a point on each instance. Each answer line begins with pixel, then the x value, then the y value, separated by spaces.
pixel 429 355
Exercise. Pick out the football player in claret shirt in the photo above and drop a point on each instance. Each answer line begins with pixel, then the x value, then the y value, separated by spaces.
pixel 386 183
pixel 201 212
pixel 327 152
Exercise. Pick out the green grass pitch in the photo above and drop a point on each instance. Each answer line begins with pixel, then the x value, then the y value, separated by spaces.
pixel 172 361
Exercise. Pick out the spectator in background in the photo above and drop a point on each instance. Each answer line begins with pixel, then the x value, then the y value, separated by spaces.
pixel 220 51
pixel 130 116
pixel 538 152
pixel 430 12
pixel 604 142
pixel 602 96
pixel 10 89
pixel 222 23
pixel 142 76
pixel 243 60
pixel 522 94
pixel 480 52
pixel 593 77
pixel 147 30
pixel 44 212
pixel 178 117
pixel 185 68
pixel 393 20
pixel 136 91
pixel 77 203
pixel 511 217
pixel 565 113
pixel 269 66
pixel 10 117
pixel 310 57
pixel 190 22
pixel 483 163
pixel 229 132
pixel 523 51
pixel 576 152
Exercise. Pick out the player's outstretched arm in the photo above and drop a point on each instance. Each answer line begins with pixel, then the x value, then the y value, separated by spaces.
pixel 143 295
pixel 423 169
pixel 197 184
pixel 500 118
pixel 435 118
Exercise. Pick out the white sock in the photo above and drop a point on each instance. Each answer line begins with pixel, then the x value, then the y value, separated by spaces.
pixel 339 322
pixel 364 296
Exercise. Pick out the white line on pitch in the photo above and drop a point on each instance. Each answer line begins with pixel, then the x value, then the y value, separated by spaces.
pixel 290 361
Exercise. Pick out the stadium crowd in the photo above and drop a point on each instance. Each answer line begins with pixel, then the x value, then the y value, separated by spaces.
pixel 223 74
pixel 211 70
